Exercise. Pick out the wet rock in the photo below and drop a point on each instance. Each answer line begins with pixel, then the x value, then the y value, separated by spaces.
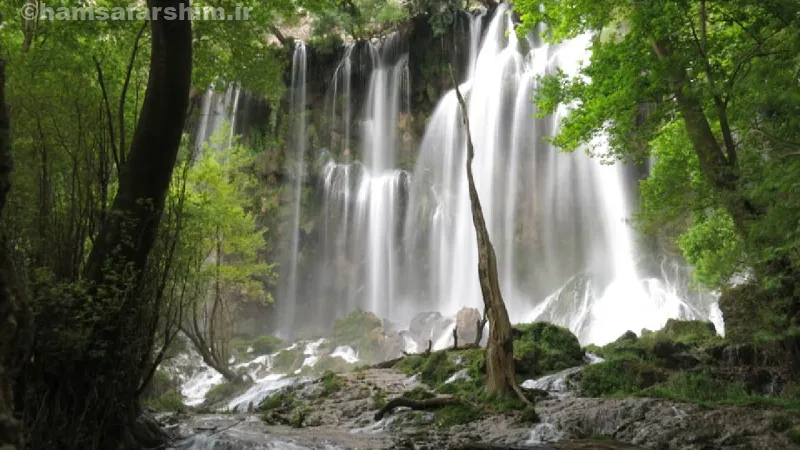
pixel 428 326
pixel 466 322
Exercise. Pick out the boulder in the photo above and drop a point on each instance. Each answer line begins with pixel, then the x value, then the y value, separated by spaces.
pixel 541 348
pixel 428 326
pixel 466 322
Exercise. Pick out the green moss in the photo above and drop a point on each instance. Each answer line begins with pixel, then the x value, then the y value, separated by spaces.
pixel 222 392
pixel 266 344
pixel 379 399
pixel 529 415
pixel 419 393
pixel 456 414
pixel 170 401
pixel 279 400
pixel 433 369
pixel 794 435
pixel 287 361
pixel 331 383
pixel 360 329
pixel 619 377
pixel 690 332
pixel 541 348
pixel 333 364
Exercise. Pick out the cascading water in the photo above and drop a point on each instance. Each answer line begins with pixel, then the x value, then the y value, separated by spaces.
pixel 298 105
pixel 362 202
pixel 398 243
pixel 218 108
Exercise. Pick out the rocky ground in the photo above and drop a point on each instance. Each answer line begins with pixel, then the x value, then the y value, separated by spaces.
pixel 344 418
pixel 619 396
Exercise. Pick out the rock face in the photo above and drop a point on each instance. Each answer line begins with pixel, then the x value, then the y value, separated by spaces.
pixel 466 322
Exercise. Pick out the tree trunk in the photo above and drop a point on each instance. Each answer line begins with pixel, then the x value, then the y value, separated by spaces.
pixel 10 429
pixel 93 405
pixel 500 376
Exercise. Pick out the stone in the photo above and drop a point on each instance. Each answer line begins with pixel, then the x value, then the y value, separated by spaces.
pixel 466 323
pixel 428 326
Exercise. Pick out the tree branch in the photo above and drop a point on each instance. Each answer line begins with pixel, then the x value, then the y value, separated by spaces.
pixel 107 104
pixel 124 93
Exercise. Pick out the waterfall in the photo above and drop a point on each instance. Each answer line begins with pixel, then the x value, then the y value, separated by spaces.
pixel 217 108
pixel 398 242
pixel 298 116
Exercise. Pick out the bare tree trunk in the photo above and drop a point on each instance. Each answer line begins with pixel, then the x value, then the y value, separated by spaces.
pixel 500 376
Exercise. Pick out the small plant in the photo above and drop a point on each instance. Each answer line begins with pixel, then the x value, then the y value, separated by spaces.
pixel 331 383
pixel 379 399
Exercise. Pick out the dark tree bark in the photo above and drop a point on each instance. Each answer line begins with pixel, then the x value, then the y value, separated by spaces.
pixel 10 429
pixel 94 403
pixel 500 375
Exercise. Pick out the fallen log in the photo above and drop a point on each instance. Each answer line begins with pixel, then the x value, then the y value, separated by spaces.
pixel 417 405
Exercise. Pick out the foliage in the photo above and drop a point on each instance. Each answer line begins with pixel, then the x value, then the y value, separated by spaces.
pixel 456 414
pixel 683 82
pixel 364 19
pixel 541 348
pixel 170 401
pixel 331 383
pixel 618 377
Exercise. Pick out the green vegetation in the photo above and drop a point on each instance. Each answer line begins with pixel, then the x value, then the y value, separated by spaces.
pixel 331 383
pixel 222 392
pixel 361 330
pixel 541 348
pixel 170 401
pixel 682 83
pixel 266 344
pixel 288 360
pixel 618 377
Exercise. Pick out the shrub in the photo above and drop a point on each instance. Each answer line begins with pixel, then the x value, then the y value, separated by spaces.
pixel 330 383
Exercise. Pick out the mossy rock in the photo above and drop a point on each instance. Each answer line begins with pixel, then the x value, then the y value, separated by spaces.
pixel 361 330
pixel 266 344
pixel 224 391
pixel 619 377
pixel 288 360
pixel 541 348
pixel 690 332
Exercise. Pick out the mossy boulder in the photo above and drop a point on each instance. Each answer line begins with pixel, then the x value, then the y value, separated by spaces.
pixel 749 310
pixel 266 344
pixel 361 330
pixel 619 377
pixel 288 360
pixel 541 348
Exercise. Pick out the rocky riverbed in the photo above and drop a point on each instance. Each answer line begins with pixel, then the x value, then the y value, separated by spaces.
pixel 318 394
pixel 344 419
